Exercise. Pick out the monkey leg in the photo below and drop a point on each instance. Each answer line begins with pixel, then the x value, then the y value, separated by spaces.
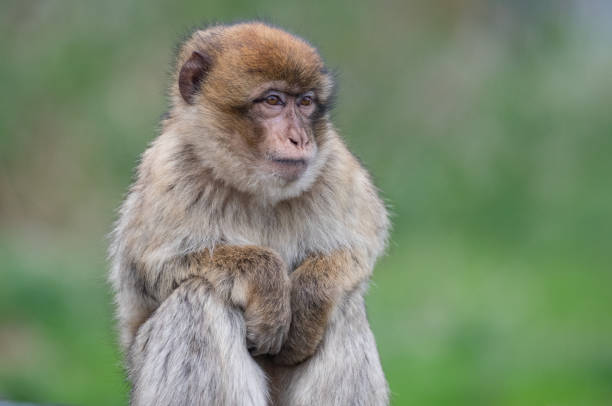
pixel 192 351
pixel 344 370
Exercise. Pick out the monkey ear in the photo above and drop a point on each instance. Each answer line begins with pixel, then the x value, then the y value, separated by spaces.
pixel 192 74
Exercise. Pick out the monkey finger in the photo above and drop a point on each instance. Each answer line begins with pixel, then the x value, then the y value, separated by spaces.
pixel 281 337
pixel 261 350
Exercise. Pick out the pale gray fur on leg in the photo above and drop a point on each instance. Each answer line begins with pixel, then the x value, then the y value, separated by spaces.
pixel 345 369
pixel 192 351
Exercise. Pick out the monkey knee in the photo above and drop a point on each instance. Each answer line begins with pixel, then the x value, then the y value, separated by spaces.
pixel 175 357
pixel 189 313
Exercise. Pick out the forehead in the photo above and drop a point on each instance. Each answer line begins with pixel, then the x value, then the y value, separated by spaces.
pixel 267 54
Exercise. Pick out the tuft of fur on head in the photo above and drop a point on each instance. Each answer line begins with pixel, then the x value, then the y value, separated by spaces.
pixel 242 58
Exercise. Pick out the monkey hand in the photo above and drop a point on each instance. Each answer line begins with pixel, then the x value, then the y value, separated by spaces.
pixel 256 280
pixel 267 312
pixel 267 318
pixel 267 323
pixel 315 290
pixel 308 325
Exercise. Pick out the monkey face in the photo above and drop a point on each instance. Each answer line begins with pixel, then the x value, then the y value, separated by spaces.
pixel 284 119
pixel 258 96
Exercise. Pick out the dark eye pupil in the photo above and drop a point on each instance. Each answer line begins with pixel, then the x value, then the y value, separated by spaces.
pixel 272 100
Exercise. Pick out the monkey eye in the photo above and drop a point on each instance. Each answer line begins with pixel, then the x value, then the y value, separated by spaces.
pixel 306 101
pixel 273 100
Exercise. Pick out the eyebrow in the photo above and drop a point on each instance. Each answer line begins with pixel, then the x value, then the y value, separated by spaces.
pixel 293 94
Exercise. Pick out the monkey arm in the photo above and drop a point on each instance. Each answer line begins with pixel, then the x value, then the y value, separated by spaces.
pixel 236 273
pixel 251 278
pixel 317 286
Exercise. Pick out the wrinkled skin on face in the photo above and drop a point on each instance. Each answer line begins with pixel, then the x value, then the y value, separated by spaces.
pixel 284 117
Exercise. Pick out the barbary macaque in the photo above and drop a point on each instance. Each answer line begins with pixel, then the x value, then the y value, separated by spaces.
pixel 244 247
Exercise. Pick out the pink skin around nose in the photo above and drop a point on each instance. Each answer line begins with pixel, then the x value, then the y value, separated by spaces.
pixel 288 146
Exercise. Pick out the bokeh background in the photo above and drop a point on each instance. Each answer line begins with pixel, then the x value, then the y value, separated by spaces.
pixel 486 124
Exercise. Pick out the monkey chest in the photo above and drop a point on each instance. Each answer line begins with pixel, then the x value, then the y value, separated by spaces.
pixel 293 240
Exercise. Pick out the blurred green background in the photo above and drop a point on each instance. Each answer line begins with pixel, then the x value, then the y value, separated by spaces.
pixel 486 124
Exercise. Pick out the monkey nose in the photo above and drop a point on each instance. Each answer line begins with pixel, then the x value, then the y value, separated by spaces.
pixel 298 139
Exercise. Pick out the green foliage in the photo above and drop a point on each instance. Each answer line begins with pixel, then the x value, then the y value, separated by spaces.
pixel 486 125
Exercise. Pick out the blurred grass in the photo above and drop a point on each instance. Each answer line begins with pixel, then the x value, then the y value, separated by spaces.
pixel 486 124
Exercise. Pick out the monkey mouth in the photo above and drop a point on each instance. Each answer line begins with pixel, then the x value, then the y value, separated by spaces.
pixel 289 168
pixel 290 162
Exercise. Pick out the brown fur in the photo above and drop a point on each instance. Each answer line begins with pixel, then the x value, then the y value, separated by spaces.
pixel 247 55
pixel 317 285
pixel 289 255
